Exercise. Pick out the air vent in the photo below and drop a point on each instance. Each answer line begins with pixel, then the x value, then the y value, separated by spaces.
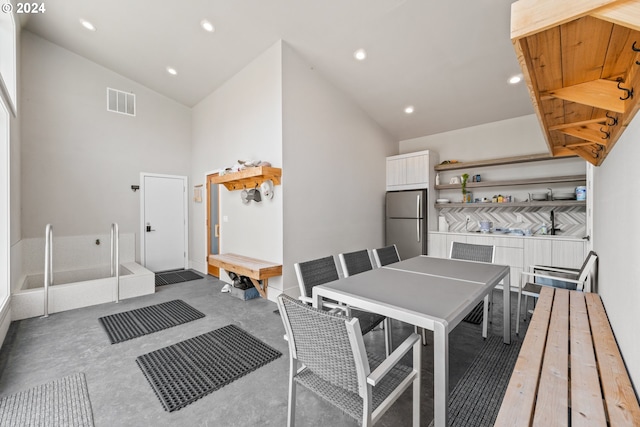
pixel 121 102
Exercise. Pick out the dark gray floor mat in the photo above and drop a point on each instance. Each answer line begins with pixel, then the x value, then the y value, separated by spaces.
pixel 179 276
pixel 184 372
pixel 142 321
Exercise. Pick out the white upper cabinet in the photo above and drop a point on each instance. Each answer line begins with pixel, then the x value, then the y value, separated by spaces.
pixel 411 171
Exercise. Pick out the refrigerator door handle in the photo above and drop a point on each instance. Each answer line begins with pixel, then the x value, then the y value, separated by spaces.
pixel 418 217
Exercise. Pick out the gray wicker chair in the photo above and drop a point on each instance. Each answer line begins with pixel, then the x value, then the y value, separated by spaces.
pixel 355 262
pixel 323 270
pixel 334 365
pixel 478 253
pixel 385 256
pixel 538 276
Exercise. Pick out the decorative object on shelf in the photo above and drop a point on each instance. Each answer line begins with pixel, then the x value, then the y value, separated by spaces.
pixel 581 193
pixel 437 179
pixel 466 197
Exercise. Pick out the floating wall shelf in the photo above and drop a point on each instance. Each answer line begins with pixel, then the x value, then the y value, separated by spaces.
pixel 248 178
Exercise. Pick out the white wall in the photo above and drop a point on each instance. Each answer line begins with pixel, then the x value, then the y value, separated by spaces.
pixel 241 120
pixel 506 138
pixel 615 239
pixel 78 160
pixel 334 157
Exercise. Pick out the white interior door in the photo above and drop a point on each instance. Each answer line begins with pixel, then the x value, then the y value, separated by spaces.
pixel 164 222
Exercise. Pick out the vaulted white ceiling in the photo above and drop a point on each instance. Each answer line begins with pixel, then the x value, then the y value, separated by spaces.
pixel 450 59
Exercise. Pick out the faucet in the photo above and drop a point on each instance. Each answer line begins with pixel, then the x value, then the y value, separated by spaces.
pixel 550 196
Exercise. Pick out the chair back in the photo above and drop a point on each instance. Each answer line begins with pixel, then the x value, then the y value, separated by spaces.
pixel 321 342
pixel 586 268
pixel 385 256
pixel 471 252
pixel 315 272
pixel 355 262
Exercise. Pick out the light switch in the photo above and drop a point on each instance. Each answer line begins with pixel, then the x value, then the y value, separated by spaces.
pixel 225 218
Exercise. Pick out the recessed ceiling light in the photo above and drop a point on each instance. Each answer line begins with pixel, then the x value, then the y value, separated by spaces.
pixel 409 109
pixel 360 54
pixel 172 71
pixel 88 25
pixel 207 26
pixel 515 79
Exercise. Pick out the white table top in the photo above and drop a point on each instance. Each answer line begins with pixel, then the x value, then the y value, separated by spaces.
pixel 419 291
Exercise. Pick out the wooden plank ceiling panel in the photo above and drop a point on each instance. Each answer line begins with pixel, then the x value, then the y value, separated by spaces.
pixel 579 69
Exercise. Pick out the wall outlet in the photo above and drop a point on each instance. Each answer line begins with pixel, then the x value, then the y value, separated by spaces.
pixel 225 218
pixel 519 218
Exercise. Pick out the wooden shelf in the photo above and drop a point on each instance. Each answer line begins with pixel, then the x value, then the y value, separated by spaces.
pixel 515 182
pixel 498 162
pixel 248 178
pixel 553 203
pixel 579 64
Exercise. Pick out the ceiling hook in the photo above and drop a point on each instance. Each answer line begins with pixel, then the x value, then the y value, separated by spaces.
pixel 629 92
pixel 613 118
pixel 635 49
pixel 606 134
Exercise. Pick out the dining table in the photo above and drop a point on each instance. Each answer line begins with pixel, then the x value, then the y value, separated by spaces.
pixel 431 293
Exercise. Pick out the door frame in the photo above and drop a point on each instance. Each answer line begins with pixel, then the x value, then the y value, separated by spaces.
pixel 214 271
pixel 185 181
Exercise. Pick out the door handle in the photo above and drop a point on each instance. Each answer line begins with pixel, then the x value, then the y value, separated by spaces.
pixel 216 231
pixel 418 218
pixel 149 229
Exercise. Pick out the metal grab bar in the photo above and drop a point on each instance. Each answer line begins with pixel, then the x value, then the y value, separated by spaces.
pixel 115 257
pixel 48 266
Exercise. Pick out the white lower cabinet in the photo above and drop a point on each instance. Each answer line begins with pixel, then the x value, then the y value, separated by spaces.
pixel 517 252
pixel 438 245
pixel 567 254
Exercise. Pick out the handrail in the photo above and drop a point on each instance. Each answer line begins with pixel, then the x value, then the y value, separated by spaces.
pixel 48 266
pixel 115 257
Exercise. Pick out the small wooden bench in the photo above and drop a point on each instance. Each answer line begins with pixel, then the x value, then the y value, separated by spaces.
pixel 254 269
pixel 569 370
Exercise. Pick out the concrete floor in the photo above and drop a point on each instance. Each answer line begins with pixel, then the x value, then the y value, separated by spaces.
pixel 40 350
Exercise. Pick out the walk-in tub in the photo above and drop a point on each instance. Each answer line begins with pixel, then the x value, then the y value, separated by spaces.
pixel 81 286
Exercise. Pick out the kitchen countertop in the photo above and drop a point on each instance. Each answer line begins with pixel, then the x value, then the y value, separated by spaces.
pixel 515 236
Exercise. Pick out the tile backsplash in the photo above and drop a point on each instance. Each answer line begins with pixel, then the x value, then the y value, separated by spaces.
pixel 570 220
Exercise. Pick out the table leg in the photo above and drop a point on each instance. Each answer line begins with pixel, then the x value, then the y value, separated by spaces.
pixel 440 375
pixel 506 319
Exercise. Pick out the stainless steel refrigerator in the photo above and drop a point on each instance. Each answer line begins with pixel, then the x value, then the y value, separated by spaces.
pixel 406 222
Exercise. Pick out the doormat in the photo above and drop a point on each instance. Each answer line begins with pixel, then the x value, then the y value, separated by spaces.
pixel 178 276
pixel 476 398
pixel 63 402
pixel 476 314
pixel 184 372
pixel 142 321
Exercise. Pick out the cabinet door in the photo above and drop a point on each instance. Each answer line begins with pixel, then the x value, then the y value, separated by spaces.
pixel 567 254
pixel 438 245
pixel 417 170
pixel 396 173
pixel 537 252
